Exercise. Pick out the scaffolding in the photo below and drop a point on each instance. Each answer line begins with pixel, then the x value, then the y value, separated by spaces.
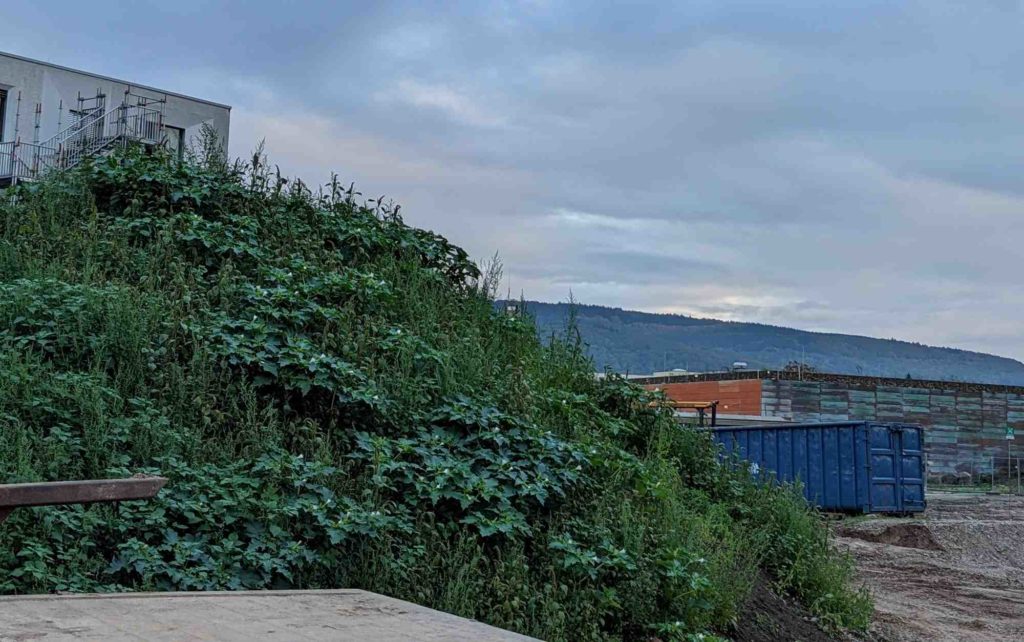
pixel 95 130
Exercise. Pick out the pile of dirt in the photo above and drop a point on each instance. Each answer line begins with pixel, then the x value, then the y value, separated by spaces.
pixel 767 617
pixel 907 535
pixel 954 574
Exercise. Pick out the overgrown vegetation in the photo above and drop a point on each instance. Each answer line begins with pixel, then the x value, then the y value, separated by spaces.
pixel 337 403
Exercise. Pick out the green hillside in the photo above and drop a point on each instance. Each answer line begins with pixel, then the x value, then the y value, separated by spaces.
pixel 641 342
pixel 336 403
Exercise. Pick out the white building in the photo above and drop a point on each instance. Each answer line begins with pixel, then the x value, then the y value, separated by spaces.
pixel 52 116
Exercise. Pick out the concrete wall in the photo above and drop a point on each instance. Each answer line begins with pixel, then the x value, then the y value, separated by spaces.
pixel 48 84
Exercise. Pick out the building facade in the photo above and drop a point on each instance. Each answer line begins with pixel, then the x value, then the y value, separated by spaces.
pixel 968 427
pixel 52 115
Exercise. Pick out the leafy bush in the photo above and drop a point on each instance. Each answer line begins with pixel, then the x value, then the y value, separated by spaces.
pixel 337 403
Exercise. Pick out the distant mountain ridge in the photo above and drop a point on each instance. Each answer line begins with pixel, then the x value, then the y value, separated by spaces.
pixel 643 342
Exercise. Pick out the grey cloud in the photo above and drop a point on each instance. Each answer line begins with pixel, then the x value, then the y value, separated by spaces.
pixel 623 267
pixel 853 167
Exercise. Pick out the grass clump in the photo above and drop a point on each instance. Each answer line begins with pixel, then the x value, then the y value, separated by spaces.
pixel 337 403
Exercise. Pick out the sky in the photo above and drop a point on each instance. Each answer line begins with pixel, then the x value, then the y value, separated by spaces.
pixel 853 167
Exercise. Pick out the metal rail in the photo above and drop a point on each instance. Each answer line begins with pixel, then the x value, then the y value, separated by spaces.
pixel 7 159
pixel 701 407
pixel 95 131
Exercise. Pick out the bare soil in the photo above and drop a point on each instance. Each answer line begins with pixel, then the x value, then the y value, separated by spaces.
pixel 767 617
pixel 956 573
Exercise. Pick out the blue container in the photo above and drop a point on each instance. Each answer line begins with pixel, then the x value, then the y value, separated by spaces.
pixel 849 466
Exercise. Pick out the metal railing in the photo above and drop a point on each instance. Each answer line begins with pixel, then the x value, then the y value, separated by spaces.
pixel 1005 476
pixel 994 474
pixel 120 125
pixel 93 134
pixel 85 120
pixel 24 161
pixel 7 159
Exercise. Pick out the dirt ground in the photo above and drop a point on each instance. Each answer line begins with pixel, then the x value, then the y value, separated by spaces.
pixel 767 617
pixel 956 573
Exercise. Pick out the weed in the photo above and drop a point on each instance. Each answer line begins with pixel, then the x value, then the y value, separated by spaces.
pixel 337 403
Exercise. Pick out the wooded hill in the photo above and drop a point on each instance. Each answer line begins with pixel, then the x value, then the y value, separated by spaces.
pixel 642 342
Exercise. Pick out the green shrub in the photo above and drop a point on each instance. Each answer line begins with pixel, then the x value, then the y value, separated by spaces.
pixel 337 402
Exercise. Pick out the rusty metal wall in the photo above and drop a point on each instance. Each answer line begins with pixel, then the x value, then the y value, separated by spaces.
pixel 734 397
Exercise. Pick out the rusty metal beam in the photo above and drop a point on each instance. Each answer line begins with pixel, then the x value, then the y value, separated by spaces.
pixel 683 405
pixel 77 492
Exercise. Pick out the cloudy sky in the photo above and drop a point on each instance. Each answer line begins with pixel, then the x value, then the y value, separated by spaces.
pixel 854 168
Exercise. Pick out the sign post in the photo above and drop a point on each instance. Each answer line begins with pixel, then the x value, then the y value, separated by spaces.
pixel 1009 440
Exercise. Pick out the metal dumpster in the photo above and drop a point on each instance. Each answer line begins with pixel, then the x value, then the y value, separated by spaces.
pixel 848 466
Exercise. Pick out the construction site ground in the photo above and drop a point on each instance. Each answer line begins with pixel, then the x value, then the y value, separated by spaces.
pixel 956 572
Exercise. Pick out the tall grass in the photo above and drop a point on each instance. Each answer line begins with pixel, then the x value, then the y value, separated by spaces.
pixel 338 403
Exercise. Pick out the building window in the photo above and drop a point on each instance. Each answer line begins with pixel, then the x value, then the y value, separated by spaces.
pixel 3 112
pixel 174 139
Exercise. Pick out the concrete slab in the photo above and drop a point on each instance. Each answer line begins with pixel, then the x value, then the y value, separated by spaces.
pixel 243 616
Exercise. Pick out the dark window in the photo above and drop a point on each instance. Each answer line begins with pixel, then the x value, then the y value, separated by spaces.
pixel 3 111
pixel 174 138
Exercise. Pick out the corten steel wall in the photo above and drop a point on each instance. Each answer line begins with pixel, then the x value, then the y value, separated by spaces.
pixel 963 428
pixel 734 397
